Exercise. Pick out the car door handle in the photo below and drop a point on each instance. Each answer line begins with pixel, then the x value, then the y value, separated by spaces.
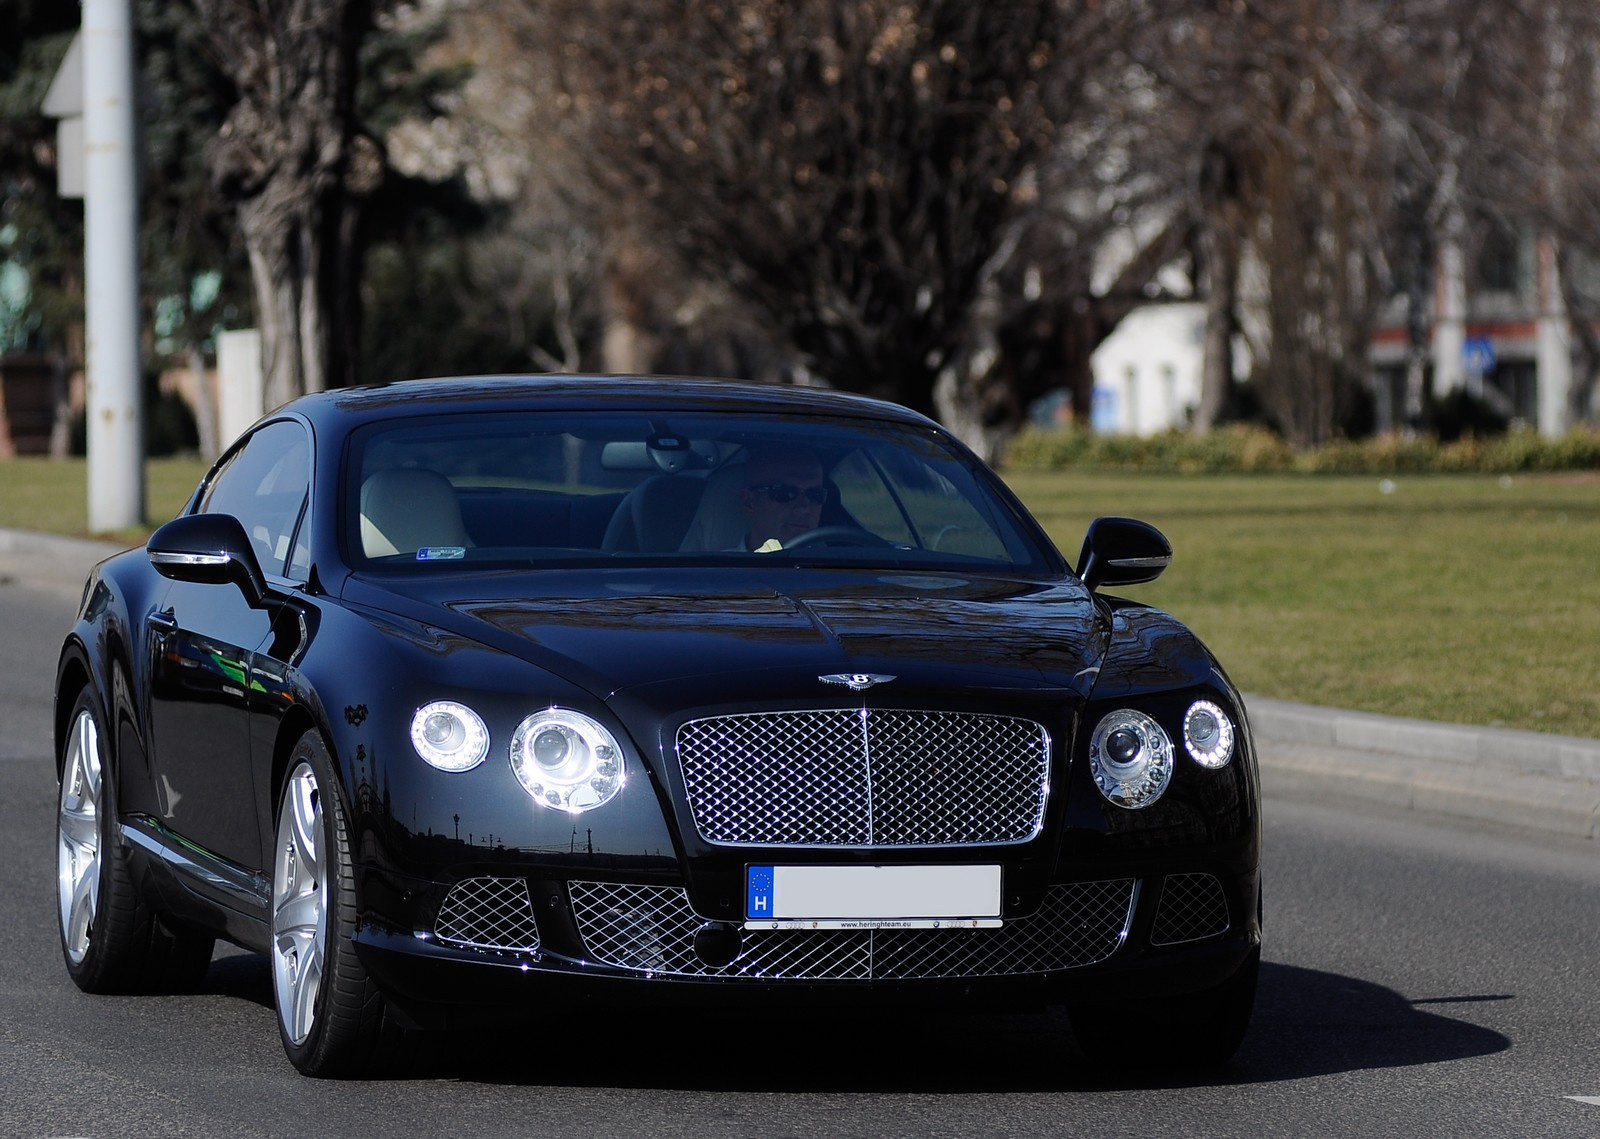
pixel 163 621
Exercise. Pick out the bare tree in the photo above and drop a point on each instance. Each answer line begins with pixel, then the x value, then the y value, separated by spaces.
pixel 922 200
pixel 867 177
pixel 1209 146
pixel 1280 153
pixel 290 158
pixel 1496 106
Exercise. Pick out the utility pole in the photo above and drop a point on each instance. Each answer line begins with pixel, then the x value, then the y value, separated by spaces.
pixel 115 408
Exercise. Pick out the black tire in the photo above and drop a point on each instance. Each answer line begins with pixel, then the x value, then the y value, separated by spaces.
pixel 112 940
pixel 331 1017
pixel 1196 1031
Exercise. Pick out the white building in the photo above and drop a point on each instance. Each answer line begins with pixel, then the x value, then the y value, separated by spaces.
pixel 1147 372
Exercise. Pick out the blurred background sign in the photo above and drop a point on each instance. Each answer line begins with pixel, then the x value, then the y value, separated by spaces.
pixel 1477 355
pixel 64 103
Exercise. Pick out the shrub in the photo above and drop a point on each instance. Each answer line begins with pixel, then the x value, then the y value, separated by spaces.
pixel 1253 449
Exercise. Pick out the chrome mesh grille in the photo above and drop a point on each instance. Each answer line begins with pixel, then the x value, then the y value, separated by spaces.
pixel 651 929
pixel 858 777
pixel 488 913
pixel 1192 907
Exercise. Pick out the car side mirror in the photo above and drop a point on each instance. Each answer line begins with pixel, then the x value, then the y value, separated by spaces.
pixel 1122 551
pixel 211 549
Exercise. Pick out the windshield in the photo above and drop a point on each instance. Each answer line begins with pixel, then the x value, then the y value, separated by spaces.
pixel 602 488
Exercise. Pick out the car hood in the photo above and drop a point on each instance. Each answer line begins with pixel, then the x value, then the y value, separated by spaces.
pixel 679 639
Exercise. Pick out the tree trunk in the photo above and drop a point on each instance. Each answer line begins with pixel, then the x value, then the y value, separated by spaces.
pixel 1219 273
pixel 277 313
pixel 205 410
pixel 313 329
pixel 61 396
pixel 291 160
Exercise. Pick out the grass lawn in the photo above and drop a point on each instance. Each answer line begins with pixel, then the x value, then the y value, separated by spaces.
pixel 52 495
pixel 1468 599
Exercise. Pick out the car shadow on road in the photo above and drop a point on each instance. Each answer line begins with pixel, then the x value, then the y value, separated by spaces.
pixel 1313 1023
pixel 1307 1023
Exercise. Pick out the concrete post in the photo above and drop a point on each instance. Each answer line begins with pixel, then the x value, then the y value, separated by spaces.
pixel 1553 351
pixel 1450 323
pixel 111 269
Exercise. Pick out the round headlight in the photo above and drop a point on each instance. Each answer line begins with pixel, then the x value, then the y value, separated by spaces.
pixel 450 736
pixel 1130 758
pixel 1208 734
pixel 566 760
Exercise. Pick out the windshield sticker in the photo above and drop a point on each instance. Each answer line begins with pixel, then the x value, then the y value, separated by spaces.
pixel 441 553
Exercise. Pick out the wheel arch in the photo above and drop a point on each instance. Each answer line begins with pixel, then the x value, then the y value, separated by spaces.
pixel 295 724
pixel 72 679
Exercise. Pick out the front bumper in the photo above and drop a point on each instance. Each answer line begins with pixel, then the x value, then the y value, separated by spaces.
pixel 502 943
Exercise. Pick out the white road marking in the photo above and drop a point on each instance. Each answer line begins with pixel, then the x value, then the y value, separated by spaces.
pixel 1591 1099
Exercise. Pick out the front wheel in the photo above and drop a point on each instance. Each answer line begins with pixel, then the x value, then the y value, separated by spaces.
pixel 332 1019
pixel 1194 1031
pixel 111 939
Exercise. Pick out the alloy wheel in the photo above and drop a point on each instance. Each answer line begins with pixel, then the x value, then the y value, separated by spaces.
pixel 299 906
pixel 78 837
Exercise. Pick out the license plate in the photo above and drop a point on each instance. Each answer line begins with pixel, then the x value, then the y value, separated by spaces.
pixel 872 897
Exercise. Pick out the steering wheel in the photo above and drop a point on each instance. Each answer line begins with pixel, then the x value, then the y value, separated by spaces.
pixel 835 536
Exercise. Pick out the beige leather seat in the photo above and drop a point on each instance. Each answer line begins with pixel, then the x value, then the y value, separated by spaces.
pixel 718 523
pixel 653 516
pixel 403 511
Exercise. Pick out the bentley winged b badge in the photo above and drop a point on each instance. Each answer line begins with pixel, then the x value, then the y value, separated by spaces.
pixel 856 681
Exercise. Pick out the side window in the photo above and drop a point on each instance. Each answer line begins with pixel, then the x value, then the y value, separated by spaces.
pixel 264 485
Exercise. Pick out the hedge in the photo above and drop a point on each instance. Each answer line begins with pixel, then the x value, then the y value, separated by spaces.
pixel 1251 448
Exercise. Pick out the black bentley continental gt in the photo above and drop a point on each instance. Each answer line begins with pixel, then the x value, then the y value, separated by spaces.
pixel 456 698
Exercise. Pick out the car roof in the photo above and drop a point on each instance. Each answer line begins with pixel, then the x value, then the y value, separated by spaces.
pixel 344 408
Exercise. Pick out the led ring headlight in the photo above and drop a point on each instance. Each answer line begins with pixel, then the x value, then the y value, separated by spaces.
pixel 1208 734
pixel 1130 758
pixel 450 736
pixel 567 761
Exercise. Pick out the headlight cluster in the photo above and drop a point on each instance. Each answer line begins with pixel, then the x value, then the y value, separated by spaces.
pixel 565 760
pixel 1131 755
pixel 1208 734
pixel 450 736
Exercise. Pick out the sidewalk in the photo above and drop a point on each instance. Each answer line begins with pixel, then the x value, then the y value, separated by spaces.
pixel 48 561
pixel 1491 775
pixel 1496 776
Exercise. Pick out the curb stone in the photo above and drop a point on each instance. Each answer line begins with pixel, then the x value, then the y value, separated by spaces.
pixel 1497 776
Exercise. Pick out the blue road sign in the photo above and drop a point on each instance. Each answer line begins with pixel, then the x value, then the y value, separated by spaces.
pixel 1477 355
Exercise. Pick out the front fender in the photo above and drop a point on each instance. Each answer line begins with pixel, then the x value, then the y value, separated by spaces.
pixel 359 681
pixel 1156 665
pixel 104 653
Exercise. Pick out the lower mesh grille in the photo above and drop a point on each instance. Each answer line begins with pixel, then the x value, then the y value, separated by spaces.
pixel 489 913
pixel 651 928
pixel 1193 907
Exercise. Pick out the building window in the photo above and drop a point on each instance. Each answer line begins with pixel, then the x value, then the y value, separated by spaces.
pixel 1499 267
pixel 1512 390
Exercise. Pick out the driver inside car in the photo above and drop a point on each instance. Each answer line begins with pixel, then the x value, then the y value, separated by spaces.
pixel 782 497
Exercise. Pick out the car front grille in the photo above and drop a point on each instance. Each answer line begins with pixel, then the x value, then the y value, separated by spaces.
pixel 651 929
pixel 1192 907
pixel 488 913
pixel 863 778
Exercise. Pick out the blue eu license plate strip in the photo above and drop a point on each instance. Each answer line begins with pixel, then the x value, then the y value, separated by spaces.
pixel 872 897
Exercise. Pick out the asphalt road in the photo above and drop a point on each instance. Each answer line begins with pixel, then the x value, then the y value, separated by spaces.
pixel 1421 977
